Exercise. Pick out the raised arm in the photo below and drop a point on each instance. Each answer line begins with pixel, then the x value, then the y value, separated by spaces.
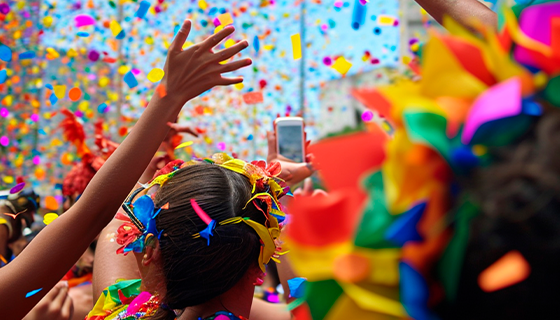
pixel 462 11
pixel 188 73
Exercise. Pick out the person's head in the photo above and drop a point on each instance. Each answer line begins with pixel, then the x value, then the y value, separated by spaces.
pixel 519 200
pixel 197 270
pixel 25 204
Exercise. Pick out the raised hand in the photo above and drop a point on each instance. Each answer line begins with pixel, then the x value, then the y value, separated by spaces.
pixel 191 72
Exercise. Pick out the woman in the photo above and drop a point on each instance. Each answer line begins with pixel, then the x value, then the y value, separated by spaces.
pixel 201 233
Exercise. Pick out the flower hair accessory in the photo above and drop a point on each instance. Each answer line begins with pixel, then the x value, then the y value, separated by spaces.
pixel 267 188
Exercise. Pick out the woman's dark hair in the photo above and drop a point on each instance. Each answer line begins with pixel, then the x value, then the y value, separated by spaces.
pixel 194 271
pixel 519 198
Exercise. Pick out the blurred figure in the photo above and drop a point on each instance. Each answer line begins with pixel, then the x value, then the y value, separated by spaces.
pixel 17 212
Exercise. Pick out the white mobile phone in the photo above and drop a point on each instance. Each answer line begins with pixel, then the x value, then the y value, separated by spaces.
pixel 290 141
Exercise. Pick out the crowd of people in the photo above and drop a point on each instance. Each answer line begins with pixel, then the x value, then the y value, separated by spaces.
pixel 451 216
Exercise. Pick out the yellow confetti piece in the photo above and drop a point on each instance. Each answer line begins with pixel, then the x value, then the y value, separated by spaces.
pixel 239 86
pixel 184 144
pixel 218 29
pixel 123 69
pixel 406 60
pixel 115 28
pixel 208 140
pixel 8 100
pixel 225 19
pixel 187 44
pixel 47 21
pixel 54 54
pixel 296 46
pixel 155 75
pixel 229 43
pixel 49 217
pixel 103 82
pixel 8 179
pixel 342 65
pixel 383 20
pixel 60 91
pixel 202 4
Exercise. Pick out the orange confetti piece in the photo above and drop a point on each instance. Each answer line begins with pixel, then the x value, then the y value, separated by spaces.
pixel 161 90
pixel 507 271
pixel 3 259
pixel 165 206
pixel 51 203
pixel 75 94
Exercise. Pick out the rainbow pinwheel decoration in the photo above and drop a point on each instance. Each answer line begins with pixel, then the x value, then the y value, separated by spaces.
pixel 385 243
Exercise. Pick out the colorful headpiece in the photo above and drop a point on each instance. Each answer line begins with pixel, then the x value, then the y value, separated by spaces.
pixel 267 187
pixel 380 257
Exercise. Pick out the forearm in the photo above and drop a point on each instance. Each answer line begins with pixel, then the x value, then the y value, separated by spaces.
pixel 462 11
pixel 81 224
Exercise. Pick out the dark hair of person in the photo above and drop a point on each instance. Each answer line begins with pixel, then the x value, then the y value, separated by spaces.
pixel 519 198
pixel 194 271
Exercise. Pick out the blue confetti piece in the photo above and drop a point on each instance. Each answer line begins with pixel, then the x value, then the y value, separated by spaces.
pixel 26 55
pixel 176 29
pixel 102 108
pixel 142 9
pixel 414 292
pixel 120 35
pixel 358 15
pixel 250 137
pixel 49 86
pixel 130 80
pixel 53 99
pixel 82 34
pixel 3 76
pixel 207 232
pixel 5 53
pixel 32 293
pixel 529 107
pixel 297 287
pixel 256 44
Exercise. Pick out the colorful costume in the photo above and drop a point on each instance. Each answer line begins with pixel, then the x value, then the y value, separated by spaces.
pixel 389 241
pixel 125 301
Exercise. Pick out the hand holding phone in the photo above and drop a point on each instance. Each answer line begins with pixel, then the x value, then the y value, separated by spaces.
pixel 290 140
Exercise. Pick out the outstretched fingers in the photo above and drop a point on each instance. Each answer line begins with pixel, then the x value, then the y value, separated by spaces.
pixel 235 65
pixel 181 37
pixel 229 81
pixel 231 51
pixel 215 39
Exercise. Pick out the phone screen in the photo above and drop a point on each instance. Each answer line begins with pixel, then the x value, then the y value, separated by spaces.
pixel 290 142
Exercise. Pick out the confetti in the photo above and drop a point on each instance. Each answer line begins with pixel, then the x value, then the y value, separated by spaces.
pixel 26 55
pixel 32 293
pixel 3 259
pixel 253 97
pixel 184 144
pixel 130 80
pixel 60 91
pixel 142 9
pixel 341 65
pixel 51 203
pixel 3 76
pixel 17 188
pixel 225 19
pixel 5 53
pixel 49 217
pixel 83 20
pixel 161 90
pixel 367 116
pixel 4 141
pixel 75 94
pixel 155 75
pixel 82 34
pixel 116 30
pixel 296 46
pixel 507 271
pixel 384 20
